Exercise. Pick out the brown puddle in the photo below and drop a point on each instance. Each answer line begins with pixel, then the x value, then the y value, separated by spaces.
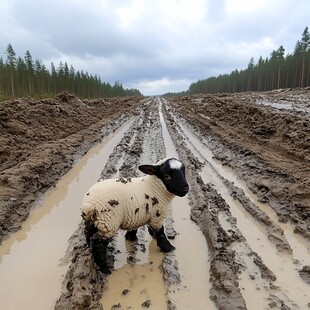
pixel 191 250
pixel 137 283
pixel 31 271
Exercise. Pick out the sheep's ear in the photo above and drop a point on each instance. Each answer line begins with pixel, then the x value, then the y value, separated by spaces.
pixel 149 169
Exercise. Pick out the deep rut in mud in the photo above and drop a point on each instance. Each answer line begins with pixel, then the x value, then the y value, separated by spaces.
pixel 246 221
pixel 242 233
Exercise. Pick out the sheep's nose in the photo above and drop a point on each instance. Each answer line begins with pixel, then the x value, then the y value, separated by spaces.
pixel 186 188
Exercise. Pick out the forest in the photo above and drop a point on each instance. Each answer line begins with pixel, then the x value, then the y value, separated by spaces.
pixel 20 77
pixel 276 71
pixel 27 77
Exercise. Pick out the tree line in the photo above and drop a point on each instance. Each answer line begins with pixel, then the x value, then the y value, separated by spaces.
pixel 276 71
pixel 27 77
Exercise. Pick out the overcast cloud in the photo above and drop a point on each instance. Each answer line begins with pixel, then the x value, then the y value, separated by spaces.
pixel 155 46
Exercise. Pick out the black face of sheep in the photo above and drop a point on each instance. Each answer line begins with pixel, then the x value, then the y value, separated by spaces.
pixel 172 173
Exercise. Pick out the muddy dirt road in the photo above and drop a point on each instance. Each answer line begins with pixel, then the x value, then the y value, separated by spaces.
pixel 242 234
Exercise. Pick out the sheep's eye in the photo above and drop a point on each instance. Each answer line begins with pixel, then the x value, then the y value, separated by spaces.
pixel 167 177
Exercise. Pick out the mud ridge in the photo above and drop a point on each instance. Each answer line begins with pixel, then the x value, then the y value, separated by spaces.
pixel 205 213
pixel 233 126
pixel 224 269
pixel 41 140
pixel 274 232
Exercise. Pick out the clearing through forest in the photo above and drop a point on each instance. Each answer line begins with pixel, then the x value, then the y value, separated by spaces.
pixel 241 234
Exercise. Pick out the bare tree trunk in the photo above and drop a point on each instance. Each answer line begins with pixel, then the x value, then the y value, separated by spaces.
pixel 12 85
pixel 302 71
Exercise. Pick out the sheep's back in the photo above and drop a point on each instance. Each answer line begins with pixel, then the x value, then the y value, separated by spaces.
pixel 116 203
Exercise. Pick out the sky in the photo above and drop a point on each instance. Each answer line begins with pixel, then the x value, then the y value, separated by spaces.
pixel 156 46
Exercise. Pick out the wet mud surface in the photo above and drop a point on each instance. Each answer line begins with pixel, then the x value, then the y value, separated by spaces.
pixel 248 166
pixel 41 140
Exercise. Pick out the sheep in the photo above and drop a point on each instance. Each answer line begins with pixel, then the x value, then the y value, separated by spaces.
pixel 128 204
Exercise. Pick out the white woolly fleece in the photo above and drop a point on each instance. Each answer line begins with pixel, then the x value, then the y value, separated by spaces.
pixel 127 204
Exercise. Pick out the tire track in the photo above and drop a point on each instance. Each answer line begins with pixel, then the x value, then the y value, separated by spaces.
pixel 292 293
pixel 193 268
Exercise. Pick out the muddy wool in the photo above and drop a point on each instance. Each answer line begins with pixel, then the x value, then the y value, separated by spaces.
pixel 111 204
pixel 127 204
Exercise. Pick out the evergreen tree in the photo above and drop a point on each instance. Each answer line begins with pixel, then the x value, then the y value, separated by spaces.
pixel 11 62
pixel 280 59
pixel 250 73
pixel 30 72
pixel 25 76
pixel 2 76
pixel 278 71
pixel 304 45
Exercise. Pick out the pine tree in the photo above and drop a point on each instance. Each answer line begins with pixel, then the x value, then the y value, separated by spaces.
pixel 250 73
pixel 305 45
pixel 280 59
pixel 2 78
pixel 30 72
pixel 11 62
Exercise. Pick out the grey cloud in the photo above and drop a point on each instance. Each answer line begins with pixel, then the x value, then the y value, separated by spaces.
pixel 145 41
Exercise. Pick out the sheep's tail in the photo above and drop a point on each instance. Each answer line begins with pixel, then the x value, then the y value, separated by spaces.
pixel 90 216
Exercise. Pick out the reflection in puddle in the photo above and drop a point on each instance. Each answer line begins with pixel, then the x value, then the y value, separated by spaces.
pixel 134 283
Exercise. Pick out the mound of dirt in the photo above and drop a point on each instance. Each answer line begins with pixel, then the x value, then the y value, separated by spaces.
pixel 268 144
pixel 41 139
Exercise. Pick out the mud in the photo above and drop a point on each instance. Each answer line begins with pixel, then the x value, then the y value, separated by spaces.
pixel 305 273
pixel 254 217
pixel 267 147
pixel 41 140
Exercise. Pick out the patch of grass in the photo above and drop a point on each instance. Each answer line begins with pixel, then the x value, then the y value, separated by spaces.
pixel 4 98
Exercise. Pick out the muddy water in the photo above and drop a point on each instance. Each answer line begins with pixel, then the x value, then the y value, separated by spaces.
pixel 137 278
pixel 300 246
pixel 30 260
pixel 191 250
pixel 284 266
pixel 138 281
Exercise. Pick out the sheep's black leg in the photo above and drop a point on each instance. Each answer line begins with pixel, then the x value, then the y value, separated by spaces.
pixel 89 230
pixel 131 235
pixel 97 245
pixel 162 241
pixel 151 231
pixel 99 251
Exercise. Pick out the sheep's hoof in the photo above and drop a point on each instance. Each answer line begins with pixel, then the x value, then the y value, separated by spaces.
pixel 164 245
pixel 106 270
pixel 131 235
pixel 162 241
pixel 168 248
